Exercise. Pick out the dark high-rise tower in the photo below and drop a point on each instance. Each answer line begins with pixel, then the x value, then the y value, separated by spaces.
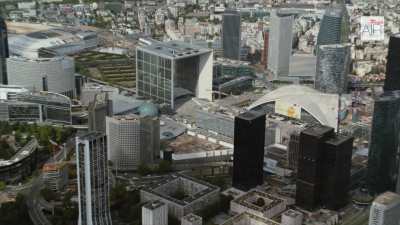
pixel 392 81
pixel 231 34
pixel 4 53
pixel 323 174
pixel 383 161
pixel 336 168
pixel 334 27
pixel 248 150
pixel 309 169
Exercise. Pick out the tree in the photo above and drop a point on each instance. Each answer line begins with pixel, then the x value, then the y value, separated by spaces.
pixel 164 166
pixel 48 194
pixel 260 202
pixel 15 213
pixel 144 170
pixel 2 185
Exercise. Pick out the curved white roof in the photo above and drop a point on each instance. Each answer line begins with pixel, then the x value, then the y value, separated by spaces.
pixel 323 107
pixel 27 45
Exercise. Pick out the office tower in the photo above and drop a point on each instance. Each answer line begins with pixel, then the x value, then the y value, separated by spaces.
pixel 93 186
pixel 248 150
pixel 155 213
pixel 4 53
pixel 191 219
pixel 294 150
pixel 98 109
pixel 264 55
pixel 231 34
pixel 309 168
pixel 333 65
pixel 385 210
pixel 323 174
pixel 383 165
pixel 336 166
pixel 280 44
pixel 334 28
pixel 132 140
pixel 168 70
pixel 58 72
pixel 392 81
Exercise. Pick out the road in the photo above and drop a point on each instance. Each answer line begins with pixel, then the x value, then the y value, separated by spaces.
pixel 35 202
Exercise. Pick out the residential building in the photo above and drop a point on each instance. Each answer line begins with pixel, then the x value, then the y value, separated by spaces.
pixel 93 180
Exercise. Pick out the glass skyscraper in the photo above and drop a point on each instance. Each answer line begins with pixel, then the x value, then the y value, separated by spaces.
pixel 231 34
pixel 334 28
pixel 4 53
pixel 93 181
pixel 383 160
pixel 333 64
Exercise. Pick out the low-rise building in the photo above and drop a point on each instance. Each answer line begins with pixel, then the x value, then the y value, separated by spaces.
pixel 155 213
pixel 182 194
pixel 258 203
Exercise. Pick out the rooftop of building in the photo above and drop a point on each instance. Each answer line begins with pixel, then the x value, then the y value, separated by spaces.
pixel 203 189
pixel 25 43
pixel 338 139
pixel 191 144
pixel 248 219
pixel 250 200
pixel 318 130
pixel 293 213
pixel 192 217
pixel 388 198
pixel 154 205
pixel 45 97
pixel 50 167
pixel 251 115
pixel 172 49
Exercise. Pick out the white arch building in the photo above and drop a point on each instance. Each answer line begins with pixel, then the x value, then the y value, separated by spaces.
pixel 323 107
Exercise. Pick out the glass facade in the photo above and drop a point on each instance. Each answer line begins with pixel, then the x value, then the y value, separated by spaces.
pixel 231 34
pixel 154 77
pixel 4 53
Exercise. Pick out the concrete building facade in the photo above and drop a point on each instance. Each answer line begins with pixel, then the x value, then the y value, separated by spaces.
pixel 132 140
pixel 155 213
pixel 169 70
pixel 280 44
